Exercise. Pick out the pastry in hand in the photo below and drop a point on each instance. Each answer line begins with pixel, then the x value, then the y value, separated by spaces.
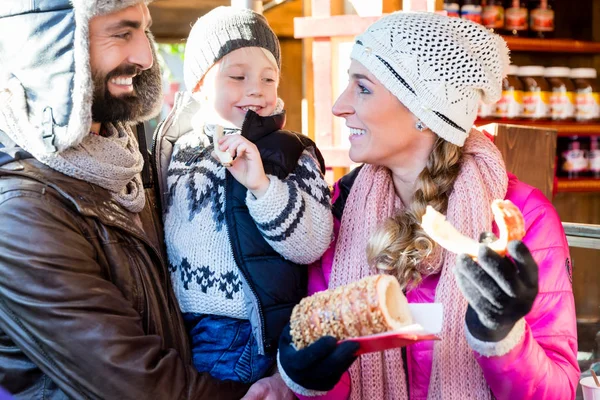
pixel 224 156
pixel 372 305
pixel 508 218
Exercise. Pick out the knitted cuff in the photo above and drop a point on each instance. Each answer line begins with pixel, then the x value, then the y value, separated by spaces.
pixel 497 349
pixel 271 205
pixel 294 386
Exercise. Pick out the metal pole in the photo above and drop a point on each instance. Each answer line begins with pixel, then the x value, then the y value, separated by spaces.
pixel 254 5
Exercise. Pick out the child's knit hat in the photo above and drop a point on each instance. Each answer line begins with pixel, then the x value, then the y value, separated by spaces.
pixel 221 31
pixel 438 67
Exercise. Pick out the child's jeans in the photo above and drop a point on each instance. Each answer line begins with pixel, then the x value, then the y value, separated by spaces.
pixel 226 348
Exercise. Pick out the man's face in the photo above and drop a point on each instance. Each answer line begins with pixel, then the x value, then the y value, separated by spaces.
pixel 127 84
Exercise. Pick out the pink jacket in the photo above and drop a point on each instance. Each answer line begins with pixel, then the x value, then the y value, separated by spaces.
pixel 544 364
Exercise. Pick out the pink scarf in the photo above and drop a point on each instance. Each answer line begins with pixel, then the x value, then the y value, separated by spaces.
pixel 455 373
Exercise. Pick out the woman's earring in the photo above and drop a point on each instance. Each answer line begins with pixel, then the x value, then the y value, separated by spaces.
pixel 420 126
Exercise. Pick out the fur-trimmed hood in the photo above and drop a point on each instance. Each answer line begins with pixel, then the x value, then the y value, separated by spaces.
pixel 46 84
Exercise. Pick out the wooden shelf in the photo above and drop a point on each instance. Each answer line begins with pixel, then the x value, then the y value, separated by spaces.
pixel 564 128
pixel 552 45
pixel 578 185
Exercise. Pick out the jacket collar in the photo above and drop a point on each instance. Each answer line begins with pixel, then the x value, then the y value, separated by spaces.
pixel 256 127
pixel 89 200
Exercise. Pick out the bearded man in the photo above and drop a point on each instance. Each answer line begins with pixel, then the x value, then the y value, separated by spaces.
pixel 86 306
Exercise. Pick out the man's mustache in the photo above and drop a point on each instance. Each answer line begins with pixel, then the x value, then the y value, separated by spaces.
pixel 124 70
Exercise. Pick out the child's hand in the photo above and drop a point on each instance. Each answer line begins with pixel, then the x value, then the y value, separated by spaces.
pixel 247 167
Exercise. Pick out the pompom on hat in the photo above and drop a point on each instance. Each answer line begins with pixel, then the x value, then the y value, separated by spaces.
pixel 438 67
pixel 221 31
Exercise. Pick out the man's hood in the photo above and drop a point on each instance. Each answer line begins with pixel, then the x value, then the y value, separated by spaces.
pixel 46 85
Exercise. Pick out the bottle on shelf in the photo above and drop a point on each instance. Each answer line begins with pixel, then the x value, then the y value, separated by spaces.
pixel 516 18
pixel 536 92
pixel 574 163
pixel 587 94
pixel 594 157
pixel 492 15
pixel 541 18
pixel 562 97
pixel 452 8
pixel 486 110
pixel 510 105
pixel 471 10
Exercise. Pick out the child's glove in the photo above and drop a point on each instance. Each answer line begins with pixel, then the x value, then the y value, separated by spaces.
pixel 500 291
pixel 318 366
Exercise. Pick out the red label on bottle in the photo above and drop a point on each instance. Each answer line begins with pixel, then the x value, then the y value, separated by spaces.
pixel 542 20
pixel 516 19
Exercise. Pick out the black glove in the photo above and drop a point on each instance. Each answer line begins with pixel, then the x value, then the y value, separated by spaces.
pixel 500 291
pixel 319 366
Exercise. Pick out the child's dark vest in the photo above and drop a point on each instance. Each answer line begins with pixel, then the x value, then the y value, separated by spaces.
pixel 276 283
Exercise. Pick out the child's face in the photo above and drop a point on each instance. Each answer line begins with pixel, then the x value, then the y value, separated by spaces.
pixel 244 79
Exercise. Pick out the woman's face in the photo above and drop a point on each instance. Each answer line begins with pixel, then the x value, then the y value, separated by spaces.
pixel 382 130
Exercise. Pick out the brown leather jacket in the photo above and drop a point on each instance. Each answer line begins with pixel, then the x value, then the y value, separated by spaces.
pixel 86 305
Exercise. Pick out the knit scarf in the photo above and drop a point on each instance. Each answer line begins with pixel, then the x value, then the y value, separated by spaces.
pixel 113 162
pixel 455 373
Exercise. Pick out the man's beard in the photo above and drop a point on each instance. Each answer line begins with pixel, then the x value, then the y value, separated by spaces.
pixel 140 105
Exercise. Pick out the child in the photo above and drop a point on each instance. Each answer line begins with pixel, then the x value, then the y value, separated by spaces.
pixel 239 235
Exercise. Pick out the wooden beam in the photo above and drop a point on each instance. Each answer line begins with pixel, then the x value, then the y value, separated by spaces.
pixel 390 6
pixel 308 94
pixel 324 27
pixel 422 5
pixel 173 19
pixel 323 97
pixel 281 18
pixel 321 8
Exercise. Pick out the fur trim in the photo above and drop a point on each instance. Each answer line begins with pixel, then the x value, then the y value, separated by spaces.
pixel 497 349
pixel 80 119
pixel 91 8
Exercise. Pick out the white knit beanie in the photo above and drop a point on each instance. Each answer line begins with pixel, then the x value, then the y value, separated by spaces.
pixel 438 67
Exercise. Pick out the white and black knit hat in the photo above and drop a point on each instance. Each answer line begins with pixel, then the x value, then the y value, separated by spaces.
pixel 221 31
pixel 438 67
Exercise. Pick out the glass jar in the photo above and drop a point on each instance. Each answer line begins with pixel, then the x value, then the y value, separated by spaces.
pixel 471 10
pixel 516 18
pixel 536 92
pixel 587 94
pixel 574 163
pixel 594 157
pixel 492 15
pixel 541 18
pixel 562 97
pixel 510 105
pixel 452 8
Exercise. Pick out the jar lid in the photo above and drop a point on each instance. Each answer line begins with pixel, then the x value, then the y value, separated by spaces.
pixel 513 70
pixel 531 70
pixel 583 73
pixel 557 72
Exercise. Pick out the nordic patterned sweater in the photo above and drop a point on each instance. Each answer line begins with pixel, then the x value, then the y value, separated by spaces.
pixel 205 277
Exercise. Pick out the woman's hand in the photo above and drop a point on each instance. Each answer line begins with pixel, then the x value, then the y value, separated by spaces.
pixel 500 291
pixel 319 366
pixel 269 388
pixel 247 167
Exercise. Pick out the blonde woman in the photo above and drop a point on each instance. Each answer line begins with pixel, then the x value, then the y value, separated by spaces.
pixel 415 81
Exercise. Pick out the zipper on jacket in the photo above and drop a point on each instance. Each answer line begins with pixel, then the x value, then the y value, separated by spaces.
pixel 261 317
